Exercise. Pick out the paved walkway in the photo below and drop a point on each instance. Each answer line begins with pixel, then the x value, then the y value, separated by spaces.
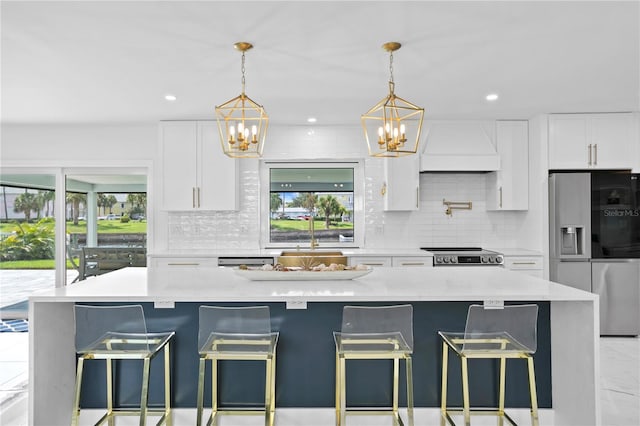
pixel 17 285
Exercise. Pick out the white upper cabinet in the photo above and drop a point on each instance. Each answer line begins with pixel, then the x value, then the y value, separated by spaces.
pixel 508 188
pixel 195 173
pixel 401 190
pixel 592 141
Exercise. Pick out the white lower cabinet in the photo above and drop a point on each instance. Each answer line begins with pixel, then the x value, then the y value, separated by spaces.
pixel 373 261
pixel 530 265
pixel 412 261
pixel 391 261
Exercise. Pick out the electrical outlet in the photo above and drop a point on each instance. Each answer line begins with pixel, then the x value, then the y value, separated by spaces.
pixel 493 304
pixel 296 304
pixel 164 304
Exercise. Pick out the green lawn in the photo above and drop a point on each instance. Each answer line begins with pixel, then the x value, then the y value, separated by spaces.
pixel 104 227
pixel 31 264
pixel 303 225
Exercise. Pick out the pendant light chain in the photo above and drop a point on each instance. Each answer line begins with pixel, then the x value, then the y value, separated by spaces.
pixel 242 69
pixel 391 67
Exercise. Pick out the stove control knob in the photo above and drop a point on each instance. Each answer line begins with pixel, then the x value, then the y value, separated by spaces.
pixel 499 259
pixel 438 259
pixel 484 259
pixel 454 259
pixel 446 259
pixel 491 259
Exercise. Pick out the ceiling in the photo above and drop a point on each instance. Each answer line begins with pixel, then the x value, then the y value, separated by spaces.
pixel 113 62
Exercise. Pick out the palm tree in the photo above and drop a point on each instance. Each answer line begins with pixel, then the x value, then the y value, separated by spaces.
pixel 329 206
pixel 48 197
pixel 306 200
pixel 26 203
pixel 275 202
pixel 110 201
pixel 75 198
pixel 4 198
pixel 101 201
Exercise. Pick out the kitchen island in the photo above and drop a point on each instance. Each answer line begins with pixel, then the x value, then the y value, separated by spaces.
pixel 305 313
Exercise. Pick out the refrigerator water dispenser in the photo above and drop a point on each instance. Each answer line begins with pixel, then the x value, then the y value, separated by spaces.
pixel 571 241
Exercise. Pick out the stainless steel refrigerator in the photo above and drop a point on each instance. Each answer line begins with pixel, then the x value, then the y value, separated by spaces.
pixel 594 226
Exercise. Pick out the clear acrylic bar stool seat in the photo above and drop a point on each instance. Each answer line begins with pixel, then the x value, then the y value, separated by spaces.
pixel 229 333
pixel 120 333
pixel 503 333
pixel 384 332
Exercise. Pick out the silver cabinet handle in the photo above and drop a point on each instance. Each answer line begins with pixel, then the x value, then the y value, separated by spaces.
pixel 198 197
pixel 500 197
pixel 183 264
pixel 412 263
pixel 374 264
pixel 595 154
pixel 417 197
pixel 589 154
pixel 193 197
pixel 524 263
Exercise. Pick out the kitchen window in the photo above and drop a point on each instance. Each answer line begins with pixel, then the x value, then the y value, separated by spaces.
pixel 312 200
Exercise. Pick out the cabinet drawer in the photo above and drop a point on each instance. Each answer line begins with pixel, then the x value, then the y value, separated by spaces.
pixel 184 262
pixel 412 261
pixel 518 262
pixel 373 261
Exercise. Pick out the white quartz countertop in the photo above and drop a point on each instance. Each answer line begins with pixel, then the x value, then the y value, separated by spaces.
pixel 213 284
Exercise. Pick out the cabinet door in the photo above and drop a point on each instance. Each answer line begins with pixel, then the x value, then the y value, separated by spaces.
pixel 568 141
pixel 372 261
pixel 178 159
pixel 508 189
pixel 612 141
pixel 402 183
pixel 217 187
pixel 412 261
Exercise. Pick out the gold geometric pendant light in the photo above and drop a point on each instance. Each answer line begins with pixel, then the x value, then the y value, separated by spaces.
pixel 393 126
pixel 242 123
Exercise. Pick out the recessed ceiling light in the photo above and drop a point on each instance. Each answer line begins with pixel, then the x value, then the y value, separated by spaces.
pixel 311 120
pixel 170 97
pixel 492 97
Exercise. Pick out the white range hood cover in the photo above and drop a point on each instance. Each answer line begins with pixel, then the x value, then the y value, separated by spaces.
pixel 460 146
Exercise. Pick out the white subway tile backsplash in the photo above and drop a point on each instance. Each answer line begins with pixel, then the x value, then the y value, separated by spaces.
pixel 429 226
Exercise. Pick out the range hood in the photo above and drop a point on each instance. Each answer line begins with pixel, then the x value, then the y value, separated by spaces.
pixel 460 146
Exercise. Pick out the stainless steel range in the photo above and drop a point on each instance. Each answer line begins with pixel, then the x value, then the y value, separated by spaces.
pixel 461 256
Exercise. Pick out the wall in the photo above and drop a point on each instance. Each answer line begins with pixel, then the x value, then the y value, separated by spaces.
pixel 428 226
pixel 122 145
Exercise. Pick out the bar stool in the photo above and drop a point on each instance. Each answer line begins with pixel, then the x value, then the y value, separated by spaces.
pixel 120 332
pixel 384 332
pixel 230 333
pixel 508 332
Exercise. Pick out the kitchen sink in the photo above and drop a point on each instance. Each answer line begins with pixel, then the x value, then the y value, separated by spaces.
pixel 309 258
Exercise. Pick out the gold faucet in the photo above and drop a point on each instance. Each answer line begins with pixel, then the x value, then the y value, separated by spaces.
pixel 314 243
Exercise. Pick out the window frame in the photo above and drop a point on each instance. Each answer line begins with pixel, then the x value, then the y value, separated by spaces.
pixel 358 200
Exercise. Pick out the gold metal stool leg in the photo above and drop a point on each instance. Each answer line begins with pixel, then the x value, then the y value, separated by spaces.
pixel 465 391
pixel 409 369
pixel 168 418
pixel 396 372
pixel 76 398
pixel 109 372
pixel 341 398
pixel 200 401
pixel 214 393
pixel 532 392
pixel 269 392
pixel 144 397
pixel 443 383
pixel 503 367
